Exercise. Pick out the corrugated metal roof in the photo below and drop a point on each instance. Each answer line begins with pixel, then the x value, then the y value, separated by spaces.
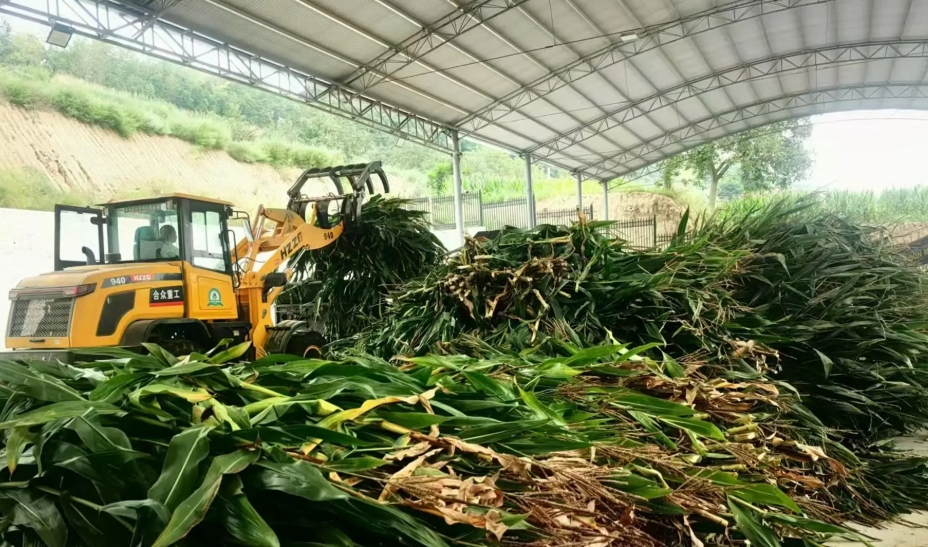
pixel 606 86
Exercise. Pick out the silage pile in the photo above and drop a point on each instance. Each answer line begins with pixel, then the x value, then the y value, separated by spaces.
pixel 544 388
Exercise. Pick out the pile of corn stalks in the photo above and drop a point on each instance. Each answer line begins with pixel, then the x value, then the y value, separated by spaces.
pixel 598 446
pixel 546 388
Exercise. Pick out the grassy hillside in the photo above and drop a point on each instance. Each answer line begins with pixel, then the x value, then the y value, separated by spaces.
pixel 131 94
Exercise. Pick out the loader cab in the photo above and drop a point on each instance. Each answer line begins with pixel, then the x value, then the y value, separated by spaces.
pixel 171 228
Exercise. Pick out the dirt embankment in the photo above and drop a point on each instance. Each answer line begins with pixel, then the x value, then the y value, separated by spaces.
pixel 626 206
pixel 98 163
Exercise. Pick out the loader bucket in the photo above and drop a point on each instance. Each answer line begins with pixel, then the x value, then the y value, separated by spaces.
pixel 359 178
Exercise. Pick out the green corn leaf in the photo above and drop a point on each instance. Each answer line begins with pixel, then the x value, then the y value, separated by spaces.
pixel 181 369
pixel 766 494
pixel 827 363
pixel 59 411
pixel 37 386
pixel 230 354
pixel 355 465
pixel 192 510
pixel 297 435
pixel 588 356
pixel 697 427
pixel 161 354
pixel 413 420
pixel 94 527
pixel 639 486
pixel 803 524
pixel 16 442
pixel 113 389
pixel 296 478
pixel 241 519
pixel 63 371
pixel 490 386
pixel 651 425
pixel 38 512
pixel 757 533
pixel 540 410
pixel 181 467
pixel 102 439
pixel 129 509
pixel 652 405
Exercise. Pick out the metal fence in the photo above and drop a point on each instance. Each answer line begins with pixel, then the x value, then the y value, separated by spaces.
pixel 640 233
pixel 441 210
pixel 512 212
pixel 563 217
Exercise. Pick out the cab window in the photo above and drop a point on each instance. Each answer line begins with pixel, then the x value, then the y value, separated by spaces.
pixel 146 232
pixel 207 245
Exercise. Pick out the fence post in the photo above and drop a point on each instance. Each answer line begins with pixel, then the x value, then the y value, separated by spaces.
pixel 654 230
pixel 480 206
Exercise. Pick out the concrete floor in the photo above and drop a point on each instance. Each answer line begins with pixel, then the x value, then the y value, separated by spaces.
pixel 911 533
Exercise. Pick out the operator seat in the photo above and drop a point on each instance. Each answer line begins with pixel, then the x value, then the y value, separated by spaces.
pixel 144 233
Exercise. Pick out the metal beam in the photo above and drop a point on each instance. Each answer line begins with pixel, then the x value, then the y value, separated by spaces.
pixel 688 137
pixel 579 191
pixel 129 27
pixel 529 192
pixel 646 39
pixel 486 27
pixel 762 68
pixel 458 186
pixel 428 39
pixel 605 201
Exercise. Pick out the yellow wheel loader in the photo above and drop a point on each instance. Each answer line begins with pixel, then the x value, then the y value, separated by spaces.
pixel 174 273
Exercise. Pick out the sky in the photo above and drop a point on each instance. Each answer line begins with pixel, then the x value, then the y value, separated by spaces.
pixel 868 150
pixel 857 151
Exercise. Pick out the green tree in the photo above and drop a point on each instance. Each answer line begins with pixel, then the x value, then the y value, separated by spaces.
pixel 6 33
pixel 768 157
pixel 20 49
pixel 439 177
pixel 729 190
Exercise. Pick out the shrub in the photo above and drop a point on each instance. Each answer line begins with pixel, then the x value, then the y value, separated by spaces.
pixel 28 188
pixel 247 152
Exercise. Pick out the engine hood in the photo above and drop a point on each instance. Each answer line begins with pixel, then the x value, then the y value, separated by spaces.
pixel 101 276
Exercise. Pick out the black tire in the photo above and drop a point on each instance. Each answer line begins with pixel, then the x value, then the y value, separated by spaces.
pixel 307 344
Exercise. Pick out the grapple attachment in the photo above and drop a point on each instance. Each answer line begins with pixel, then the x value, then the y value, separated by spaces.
pixel 359 178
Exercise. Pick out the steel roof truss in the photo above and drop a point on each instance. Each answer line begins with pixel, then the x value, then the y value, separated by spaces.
pixel 649 38
pixel 743 73
pixel 428 39
pixel 687 135
pixel 125 26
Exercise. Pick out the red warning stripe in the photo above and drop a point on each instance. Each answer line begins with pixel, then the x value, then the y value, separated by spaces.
pixel 163 304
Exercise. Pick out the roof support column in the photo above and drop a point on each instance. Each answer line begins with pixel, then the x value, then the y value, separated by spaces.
pixel 529 191
pixel 458 186
pixel 579 190
pixel 605 201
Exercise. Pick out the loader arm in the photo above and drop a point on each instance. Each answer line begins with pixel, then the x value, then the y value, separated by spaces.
pixel 306 223
pixel 282 233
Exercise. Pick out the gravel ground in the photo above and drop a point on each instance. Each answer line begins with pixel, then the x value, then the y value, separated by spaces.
pixel 912 529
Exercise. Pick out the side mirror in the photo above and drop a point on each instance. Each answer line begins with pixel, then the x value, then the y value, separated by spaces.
pixel 98 221
pixel 246 224
pixel 276 279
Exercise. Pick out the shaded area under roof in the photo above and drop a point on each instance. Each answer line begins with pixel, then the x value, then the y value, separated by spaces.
pixel 601 87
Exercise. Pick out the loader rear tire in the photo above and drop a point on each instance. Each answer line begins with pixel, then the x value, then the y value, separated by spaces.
pixel 307 344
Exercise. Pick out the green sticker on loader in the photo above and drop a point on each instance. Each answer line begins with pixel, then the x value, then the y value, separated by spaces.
pixel 215 298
